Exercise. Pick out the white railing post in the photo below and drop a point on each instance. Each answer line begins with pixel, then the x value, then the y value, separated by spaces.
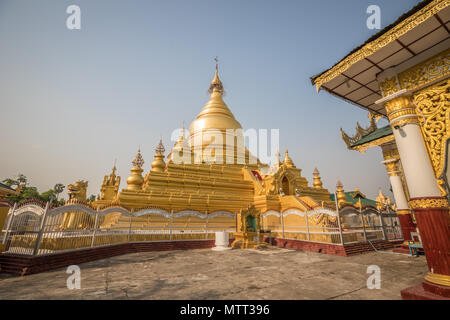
pixel 41 230
pixel 130 227
pixel 206 225
pixel 307 226
pixel 363 223
pixel 10 218
pixel 171 224
pixel 95 228
pixel 282 223
pixel 338 217
pixel 382 224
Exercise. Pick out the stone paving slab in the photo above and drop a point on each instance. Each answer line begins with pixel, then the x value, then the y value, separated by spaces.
pixel 272 273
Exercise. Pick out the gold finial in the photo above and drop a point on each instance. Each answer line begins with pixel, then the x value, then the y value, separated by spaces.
pixel 216 85
pixel 158 165
pixel 138 161
pixel 160 147
pixel 381 199
pixel 287 160
pixel 114 167
pixel 317 183
pixel 340 192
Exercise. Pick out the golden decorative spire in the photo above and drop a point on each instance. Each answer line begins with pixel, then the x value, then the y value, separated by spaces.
pixel 215 114
pixel 381 199
pixel 158 165
pixel 288 161
pixel 317 183
pixel 160 148
pixel 216 84
pixel 110 185
pixel 340 192
pixel 135 180
pixel 138 161
pixel 114 168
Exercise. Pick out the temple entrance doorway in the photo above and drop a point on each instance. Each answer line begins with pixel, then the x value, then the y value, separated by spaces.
pixel 285 186
pixel 251 224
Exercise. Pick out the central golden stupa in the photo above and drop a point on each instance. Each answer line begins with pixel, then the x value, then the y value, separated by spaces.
pixel 185 181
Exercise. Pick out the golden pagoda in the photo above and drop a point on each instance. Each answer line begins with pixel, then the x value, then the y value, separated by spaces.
pixel 195 176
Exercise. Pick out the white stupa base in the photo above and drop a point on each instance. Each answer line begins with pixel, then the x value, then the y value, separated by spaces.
pixel 222 241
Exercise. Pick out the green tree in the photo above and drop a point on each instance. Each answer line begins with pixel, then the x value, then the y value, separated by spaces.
pixel 28 192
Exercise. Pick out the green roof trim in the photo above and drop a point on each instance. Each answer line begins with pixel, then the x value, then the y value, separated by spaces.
pixel 354 200
pixel 377 134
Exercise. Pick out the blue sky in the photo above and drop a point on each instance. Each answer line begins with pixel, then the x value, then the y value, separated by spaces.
pixel 74 100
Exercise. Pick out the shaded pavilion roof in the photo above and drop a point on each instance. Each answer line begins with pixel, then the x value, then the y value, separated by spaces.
pixel 375 135
pixel 353 78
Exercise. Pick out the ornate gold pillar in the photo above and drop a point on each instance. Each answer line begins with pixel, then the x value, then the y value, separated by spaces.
pixel 430 208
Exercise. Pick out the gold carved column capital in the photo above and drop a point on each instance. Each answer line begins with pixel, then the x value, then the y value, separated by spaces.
pixel 401 111
pixel 392 167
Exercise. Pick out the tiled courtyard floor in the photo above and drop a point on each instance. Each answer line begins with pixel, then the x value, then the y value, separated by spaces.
pixel 272 273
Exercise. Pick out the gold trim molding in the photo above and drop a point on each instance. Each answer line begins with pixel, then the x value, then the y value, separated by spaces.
pixel 391 35
pixel 441 279
pixel 403 211
pixel 422 74
pixel 426 72
pixel 428 203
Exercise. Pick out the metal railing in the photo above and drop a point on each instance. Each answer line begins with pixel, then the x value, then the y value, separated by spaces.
pixel 35 228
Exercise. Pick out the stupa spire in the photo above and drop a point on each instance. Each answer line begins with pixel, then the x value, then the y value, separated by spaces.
pixel 216 84
pixel 135 180
pixel 160 147
pixel 138 161
pixel 158 164
pixel 287 160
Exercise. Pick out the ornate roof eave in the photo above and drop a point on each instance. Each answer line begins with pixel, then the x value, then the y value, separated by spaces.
pixel 360 132
pixel 362 148
pixel 414 17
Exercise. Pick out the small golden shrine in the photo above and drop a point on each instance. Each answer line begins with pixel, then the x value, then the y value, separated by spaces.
pixel 249 226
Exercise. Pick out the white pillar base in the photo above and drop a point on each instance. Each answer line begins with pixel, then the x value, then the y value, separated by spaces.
pixel 222 241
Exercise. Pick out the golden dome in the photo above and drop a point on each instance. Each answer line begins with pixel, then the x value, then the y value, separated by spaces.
pixel 158 165
pixel 215 114
pixel 135 180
